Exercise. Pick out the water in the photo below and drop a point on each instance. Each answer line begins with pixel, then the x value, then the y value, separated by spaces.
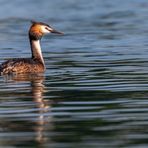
pixel 94 92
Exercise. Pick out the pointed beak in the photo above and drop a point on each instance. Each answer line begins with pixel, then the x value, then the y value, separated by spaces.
pixel 54 31
pixel 57 32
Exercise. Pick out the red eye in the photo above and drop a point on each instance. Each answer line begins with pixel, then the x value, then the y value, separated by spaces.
pixel 47 28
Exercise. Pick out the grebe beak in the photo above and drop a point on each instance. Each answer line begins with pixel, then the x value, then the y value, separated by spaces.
pixel 54 31
pixel 57 32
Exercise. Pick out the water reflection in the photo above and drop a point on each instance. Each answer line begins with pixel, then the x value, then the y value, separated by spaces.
pixel 37 117
pixel 43 105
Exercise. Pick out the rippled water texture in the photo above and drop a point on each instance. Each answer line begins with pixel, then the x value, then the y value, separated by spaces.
pixel 95 89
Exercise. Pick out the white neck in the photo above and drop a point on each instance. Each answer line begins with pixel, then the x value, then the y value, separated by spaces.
pixel 36 50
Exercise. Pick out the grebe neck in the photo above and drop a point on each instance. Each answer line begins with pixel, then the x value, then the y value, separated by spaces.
pixel 36 50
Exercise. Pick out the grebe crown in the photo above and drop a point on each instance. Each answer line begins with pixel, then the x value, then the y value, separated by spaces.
pixel 43 28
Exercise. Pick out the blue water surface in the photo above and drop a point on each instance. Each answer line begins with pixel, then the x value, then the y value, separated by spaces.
pixel 94 92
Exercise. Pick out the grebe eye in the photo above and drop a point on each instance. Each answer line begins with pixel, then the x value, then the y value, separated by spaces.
pixel 48 28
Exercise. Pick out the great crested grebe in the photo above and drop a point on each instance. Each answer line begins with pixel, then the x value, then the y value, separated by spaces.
pixel 35 64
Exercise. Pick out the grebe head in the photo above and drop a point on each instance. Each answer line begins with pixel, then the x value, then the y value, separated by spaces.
pixel 38 29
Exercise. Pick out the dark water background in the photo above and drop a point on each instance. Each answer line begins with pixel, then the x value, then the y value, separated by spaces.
pixel 95 89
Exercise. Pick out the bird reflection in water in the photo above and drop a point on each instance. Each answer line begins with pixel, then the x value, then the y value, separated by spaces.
pixel 37 89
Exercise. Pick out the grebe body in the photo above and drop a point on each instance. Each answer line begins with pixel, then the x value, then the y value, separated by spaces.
pixel 35 64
